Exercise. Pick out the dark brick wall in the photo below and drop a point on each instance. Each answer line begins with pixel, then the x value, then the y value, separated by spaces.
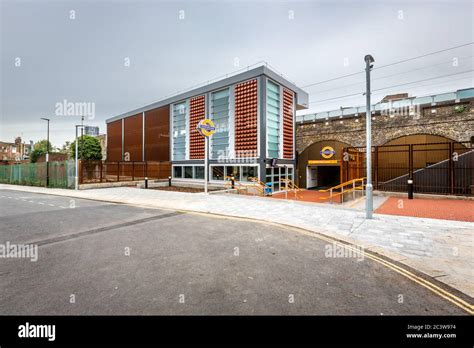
pixel 458 126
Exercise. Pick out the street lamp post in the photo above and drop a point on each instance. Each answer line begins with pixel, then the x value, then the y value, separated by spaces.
pixel 76 178
pixel 47 152
pixel 369 206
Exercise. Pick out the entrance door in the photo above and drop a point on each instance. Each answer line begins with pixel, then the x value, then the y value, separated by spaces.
pixel 311 177
pixel 328 176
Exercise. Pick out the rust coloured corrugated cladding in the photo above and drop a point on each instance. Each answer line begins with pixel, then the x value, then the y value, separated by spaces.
pixel 114 141
pixel 157 134
pixel 132 137
pixel 288 107
pixel 197 112
pixel 246 114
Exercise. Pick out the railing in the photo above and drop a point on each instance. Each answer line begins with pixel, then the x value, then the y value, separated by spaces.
pixel 237 185
pixel 436 168
pixel 407 102
pixel 353 189
pixel 291 186
pixel 258 185
pixel 100 172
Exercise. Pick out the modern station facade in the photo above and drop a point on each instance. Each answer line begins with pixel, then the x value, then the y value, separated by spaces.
pixel 254 113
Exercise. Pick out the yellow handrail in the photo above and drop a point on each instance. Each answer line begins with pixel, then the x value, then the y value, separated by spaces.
pixel 335 194
pixel 353 189
pixel 258 185
pixel 291 184
pixel 343 184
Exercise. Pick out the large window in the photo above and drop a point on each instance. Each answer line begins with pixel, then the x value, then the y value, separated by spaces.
pixel 233 171
pixel 188 172
pixel 275 177
pixel 273 119
pixel 220 116
pixel 177 172
pixel 198 172
pixel 217 173
pixel 249 172
pixel 179 131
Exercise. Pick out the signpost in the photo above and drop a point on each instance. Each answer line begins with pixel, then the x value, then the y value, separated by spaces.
pixel 207 128
pixel 92 131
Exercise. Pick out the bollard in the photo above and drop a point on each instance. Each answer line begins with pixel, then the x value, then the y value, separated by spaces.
pixel 410 188
pixel 232 182
pixel 169 181
pixel 146 182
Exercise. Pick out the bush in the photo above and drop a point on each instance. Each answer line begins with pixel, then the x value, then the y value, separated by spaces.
pixel 88 148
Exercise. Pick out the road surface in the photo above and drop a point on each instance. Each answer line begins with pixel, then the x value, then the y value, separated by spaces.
pixel 101 258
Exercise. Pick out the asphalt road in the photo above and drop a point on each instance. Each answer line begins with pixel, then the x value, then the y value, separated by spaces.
pixel 101 258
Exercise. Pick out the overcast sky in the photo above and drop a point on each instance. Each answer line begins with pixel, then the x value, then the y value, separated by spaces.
pixel 120 55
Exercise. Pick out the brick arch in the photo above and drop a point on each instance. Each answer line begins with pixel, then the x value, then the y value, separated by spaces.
pixel 344 144
pixel 342 138
pixel 442 138
pixel 382 137
pixel 446 122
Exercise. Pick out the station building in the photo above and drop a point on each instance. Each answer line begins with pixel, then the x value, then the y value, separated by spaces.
pixel 254 113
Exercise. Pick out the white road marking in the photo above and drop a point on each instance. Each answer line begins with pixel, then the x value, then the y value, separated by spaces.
pixel 51 205
pixel 41 203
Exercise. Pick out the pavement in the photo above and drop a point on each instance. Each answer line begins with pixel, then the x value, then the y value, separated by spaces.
pixel 438 248
pixel 447 209
pixel 113 259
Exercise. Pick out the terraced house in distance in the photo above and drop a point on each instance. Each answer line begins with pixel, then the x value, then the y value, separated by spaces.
pixel 254 113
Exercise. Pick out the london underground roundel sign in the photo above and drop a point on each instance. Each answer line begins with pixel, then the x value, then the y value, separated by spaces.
pixel 327 152
pixel 206 127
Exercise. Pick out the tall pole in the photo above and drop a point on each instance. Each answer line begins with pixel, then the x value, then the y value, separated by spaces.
pixel 47 151
pixel 82 134
pixel 206 163
pixel 76 178
pixel 369 206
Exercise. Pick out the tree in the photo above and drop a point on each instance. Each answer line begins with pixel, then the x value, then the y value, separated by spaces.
pixel 88 148
pixel 65 147
pixel 40 148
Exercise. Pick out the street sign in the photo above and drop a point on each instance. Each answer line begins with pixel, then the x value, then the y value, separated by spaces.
pixel 327 152
pixel 206 127
pixel 91 130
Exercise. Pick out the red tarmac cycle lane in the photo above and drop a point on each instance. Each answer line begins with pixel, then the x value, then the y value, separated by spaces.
pixel 448 209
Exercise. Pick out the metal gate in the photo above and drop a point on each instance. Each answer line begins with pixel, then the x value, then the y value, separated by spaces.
pixel 436 168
